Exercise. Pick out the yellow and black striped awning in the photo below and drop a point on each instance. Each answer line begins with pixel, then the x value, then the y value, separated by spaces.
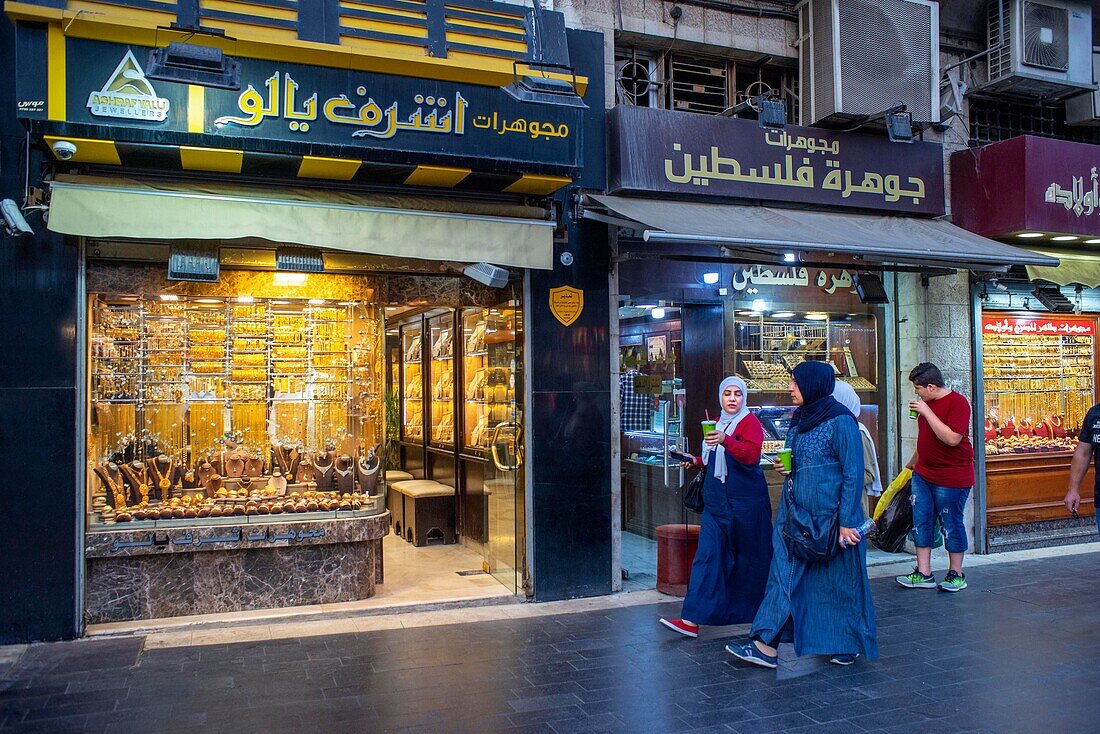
pixel 183 158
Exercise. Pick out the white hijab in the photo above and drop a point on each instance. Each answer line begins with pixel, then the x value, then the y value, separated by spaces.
pixel 727 424
pixel 846 395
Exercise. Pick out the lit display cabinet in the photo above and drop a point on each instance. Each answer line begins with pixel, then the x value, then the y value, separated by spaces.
pixel 441 378
pixel 412 381
pixel 489 363
pixel 229 408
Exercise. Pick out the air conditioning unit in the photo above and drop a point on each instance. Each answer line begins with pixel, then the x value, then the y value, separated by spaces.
pixel 1084 109
pixel 859 58
pixel 1039 49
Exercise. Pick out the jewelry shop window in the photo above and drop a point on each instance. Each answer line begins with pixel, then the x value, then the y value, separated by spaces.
pixel 232 408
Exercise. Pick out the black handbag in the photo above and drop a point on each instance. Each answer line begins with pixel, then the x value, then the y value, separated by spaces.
pixel 810 537
pixel 693 492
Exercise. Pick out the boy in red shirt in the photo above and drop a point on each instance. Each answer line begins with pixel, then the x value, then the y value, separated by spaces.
pixel 943 474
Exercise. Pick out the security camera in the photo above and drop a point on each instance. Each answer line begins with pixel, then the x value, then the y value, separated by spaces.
pixel 487 274
pixel 64 150
pixel 14 223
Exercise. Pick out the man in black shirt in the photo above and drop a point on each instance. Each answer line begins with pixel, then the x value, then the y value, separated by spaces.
pixel 1087 444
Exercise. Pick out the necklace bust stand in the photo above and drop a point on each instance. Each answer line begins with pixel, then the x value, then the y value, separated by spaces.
pixel 1057 426
pixel 323 465
pixel 234 465
pixel 287 458
pixel 113 483
pixel 204 475
pixel 366 470
pixel 137 476
pixel 165 476
pixel 304 474
pixel 254 465
pixel 344 479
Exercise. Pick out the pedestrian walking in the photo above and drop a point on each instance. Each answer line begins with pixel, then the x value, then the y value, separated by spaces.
pixel 1079 466
pixel 943 474
pixel 735 545
pixel 822 607
pixel 846 395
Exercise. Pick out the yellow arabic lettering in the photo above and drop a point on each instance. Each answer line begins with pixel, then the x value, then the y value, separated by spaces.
pixel 310 111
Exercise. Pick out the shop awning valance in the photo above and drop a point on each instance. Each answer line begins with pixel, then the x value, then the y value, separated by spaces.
pixel 886 239
pixel 1073 268
pixel 120 208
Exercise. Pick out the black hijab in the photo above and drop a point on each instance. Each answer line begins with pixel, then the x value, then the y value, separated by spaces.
pixel 815 381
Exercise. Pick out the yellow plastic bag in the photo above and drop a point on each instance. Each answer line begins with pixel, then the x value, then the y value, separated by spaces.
pixel 901 481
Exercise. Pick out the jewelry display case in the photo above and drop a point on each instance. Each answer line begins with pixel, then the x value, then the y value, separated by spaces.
pixel 768 348
pixel 412 381
pixel 208 410
pixel 489 371
pixel 441 377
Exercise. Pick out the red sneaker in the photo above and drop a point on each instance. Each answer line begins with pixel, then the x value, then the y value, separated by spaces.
pixel 679 625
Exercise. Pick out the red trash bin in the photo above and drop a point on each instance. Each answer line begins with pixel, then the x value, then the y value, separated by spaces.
pixel 676 546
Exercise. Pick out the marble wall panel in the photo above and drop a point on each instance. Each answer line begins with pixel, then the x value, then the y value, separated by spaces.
pixel 179 584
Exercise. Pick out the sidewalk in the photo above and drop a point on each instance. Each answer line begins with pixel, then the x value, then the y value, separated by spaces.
pixel 1016 652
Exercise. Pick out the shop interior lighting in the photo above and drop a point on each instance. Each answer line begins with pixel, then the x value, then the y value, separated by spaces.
pixel 189 63
pixel 316 301
pixel 869 288
pixel 168 297
pixel 207 300
pixel 782 314
pixel 299 259
pixel 1065 238
pixel 758 305
pixel 194 261
pixel 657 313
pixel 290 278
pixel 245 299
pixel 710 278
pixel 1029 235
pixel 1092 242
pixel 815 316
pixel 1052 299
pixel 789 257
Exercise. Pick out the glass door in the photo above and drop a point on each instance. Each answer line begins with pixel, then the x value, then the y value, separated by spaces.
pixel 494 385
pixel 652 414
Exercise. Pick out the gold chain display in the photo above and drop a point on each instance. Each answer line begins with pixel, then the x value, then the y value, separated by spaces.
pixel 1038 384
pixel 186 376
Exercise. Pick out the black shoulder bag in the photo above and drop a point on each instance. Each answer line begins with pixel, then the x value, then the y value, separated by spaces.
pixel 693 492
pixel 810 538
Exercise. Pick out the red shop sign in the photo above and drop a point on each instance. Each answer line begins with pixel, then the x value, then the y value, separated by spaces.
pixel 1053 325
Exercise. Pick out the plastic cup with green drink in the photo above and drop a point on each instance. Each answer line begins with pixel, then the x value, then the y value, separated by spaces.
pixel 709 427
pixel 783 456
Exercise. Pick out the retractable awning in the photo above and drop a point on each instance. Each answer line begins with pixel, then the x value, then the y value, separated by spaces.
pixel 1073 268
pixel 121 208
pixel 886 239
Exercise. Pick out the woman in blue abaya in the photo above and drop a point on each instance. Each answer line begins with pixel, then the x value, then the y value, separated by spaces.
pixel 735 547
pixel 824 608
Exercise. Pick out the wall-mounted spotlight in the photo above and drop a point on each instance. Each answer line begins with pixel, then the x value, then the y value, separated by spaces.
pixel 710 278
pixel 15 223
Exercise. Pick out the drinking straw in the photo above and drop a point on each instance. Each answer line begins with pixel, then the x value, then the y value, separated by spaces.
pixel 706 413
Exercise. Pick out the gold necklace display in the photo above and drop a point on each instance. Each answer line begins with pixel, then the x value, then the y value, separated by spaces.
pixel 173 376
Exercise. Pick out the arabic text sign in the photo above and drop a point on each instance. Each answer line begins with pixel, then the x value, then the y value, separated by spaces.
pixel 749 279
pixel 682 153
pixel 377 115
pixel 1054 326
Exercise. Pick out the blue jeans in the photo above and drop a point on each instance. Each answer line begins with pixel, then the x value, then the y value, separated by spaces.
pixel 930 501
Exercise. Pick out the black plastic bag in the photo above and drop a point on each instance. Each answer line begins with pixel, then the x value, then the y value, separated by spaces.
pixel 894 523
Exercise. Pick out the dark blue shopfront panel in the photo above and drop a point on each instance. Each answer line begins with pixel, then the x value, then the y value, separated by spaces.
pixel 571 383
pixel 38 406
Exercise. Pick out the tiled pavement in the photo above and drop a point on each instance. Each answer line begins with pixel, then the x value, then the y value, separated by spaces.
pixel 1019 651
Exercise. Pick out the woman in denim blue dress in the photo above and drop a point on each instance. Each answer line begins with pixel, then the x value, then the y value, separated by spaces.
pixel 823 608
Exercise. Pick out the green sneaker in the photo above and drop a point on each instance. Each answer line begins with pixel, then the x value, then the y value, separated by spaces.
pixel 917 580
pixel 952 582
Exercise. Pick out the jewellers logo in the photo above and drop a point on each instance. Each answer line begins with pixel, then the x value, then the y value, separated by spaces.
pixel 128 95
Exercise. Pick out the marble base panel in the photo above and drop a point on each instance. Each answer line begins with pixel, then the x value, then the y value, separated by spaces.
pixel 173 579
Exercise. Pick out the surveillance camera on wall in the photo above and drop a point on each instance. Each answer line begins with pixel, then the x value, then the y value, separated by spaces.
pixel 487 274
pixel 14 223
pixel 64 150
